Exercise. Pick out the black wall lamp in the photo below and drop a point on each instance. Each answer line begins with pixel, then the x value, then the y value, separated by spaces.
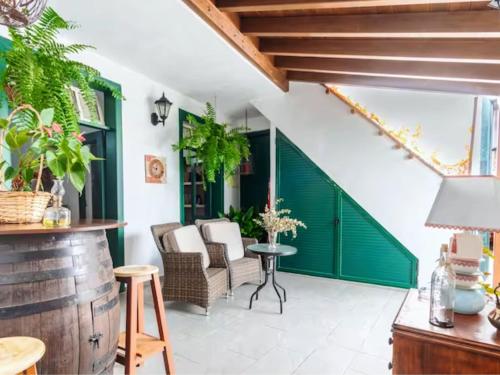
pixel 162 109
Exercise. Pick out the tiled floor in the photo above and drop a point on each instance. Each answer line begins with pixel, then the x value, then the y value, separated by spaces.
pixel 327 327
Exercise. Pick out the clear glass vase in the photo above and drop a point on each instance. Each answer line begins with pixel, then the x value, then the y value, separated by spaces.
pixel 272 238
pixel 57 215
pixel 442 298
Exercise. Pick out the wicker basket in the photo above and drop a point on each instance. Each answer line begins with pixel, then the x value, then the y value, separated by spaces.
pixel 22 207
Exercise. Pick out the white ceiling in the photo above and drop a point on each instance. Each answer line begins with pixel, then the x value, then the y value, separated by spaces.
pixel 169 43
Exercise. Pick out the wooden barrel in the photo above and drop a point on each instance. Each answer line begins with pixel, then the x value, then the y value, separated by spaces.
pixel 60 288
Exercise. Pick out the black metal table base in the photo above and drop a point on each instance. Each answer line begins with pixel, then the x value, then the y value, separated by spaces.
pixel 270 271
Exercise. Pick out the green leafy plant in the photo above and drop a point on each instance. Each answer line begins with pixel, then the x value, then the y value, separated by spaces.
pixel 246 220
pixel 39 73
pixel 40 143
pixel 214 145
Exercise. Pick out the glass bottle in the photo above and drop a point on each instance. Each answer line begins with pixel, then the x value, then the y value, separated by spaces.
pixel 57 215
pixel 443 292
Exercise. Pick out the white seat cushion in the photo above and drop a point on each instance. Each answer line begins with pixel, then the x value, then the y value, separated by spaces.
pixel 188 240
pixel 228 234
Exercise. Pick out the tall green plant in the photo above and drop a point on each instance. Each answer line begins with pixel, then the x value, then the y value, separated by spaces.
pixel 40 73
pixel 246 220
pixel 216 146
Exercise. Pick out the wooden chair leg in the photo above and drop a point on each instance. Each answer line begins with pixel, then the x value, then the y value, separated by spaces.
pixel 131 330
pixel 140 307
pixel 31 371
pixel 162 324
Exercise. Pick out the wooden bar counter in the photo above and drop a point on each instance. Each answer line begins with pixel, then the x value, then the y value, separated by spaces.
pixel 58 285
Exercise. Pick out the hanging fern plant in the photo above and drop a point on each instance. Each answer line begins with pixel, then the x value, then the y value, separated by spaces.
pixel 215 146
pixel 39 74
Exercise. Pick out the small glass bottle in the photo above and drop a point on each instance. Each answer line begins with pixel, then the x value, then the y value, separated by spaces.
pixel 57 215
pixel 443 292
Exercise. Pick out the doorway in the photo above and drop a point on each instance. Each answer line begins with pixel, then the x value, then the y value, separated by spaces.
pixel 90 204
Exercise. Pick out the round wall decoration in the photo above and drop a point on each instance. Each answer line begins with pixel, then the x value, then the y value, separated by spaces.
pixel 20 13
pixel 156 169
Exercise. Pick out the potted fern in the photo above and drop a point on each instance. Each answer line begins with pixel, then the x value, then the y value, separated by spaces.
pixel 42 131
pixel 215 146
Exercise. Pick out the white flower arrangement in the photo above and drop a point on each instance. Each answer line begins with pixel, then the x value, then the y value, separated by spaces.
pixel 277 221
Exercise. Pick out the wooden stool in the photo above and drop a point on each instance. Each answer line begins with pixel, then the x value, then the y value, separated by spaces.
pixel 19 355
pixel 134 346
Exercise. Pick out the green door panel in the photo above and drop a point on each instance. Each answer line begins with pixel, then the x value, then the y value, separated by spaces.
pixel 310 195
pixel 342 240
pixel 371 254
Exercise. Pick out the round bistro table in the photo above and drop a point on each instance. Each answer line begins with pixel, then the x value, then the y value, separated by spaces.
pixel 270 255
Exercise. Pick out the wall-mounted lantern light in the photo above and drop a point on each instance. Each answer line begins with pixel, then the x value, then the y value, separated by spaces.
pixel 162 109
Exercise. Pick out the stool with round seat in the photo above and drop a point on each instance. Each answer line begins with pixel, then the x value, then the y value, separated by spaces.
pixel 135 346
pixel 19 355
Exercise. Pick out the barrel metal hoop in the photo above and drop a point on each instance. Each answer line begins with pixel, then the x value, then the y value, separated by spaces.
pixel 59 303
pixel 35 276
pixel 106 306
pixel 25 256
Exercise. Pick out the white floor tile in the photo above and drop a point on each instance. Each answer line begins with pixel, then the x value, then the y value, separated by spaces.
pixel 327 327
pixel 327 360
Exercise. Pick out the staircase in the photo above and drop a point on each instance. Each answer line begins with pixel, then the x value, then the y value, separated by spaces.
pixel 395 191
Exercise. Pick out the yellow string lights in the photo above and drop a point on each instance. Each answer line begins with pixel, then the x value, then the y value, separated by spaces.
pixel 409 139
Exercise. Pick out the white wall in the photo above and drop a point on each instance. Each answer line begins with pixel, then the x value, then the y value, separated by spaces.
pixel 254 123
pixel 397 192
pixel 445 119
pixel 145 204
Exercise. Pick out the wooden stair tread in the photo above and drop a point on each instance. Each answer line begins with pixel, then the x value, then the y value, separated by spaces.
pixel 146 345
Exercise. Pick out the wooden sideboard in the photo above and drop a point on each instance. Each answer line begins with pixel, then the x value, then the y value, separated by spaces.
pixel 471 347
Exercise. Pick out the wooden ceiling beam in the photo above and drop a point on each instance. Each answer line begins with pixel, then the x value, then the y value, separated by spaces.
pixel 457 50
pixel 239 6
pixel 226 26
pixel 460 24
pixel 473 88
pixel 452 71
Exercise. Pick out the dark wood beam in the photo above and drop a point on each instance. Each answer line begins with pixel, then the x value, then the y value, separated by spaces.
pixel 282 5
pixel 470 24
pixel 458 50
pixel 473 72
pixel 475 88
pixel 226 27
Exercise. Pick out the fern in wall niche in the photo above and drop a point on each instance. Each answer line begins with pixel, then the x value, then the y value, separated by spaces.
pixel 407 138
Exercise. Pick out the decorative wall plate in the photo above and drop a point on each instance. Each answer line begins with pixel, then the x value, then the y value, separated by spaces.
pixel 156 169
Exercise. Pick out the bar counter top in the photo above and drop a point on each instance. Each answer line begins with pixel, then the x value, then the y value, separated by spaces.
pixel 81 226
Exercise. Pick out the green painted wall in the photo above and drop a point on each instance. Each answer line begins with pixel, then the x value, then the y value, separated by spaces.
pixel 342 240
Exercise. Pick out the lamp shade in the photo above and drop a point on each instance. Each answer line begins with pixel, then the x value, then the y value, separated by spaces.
pixel 468 203
pixel 163 107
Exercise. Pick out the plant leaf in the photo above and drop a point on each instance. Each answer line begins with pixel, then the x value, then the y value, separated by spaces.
pixel 77 176
pixel 57 164
pixel 47 116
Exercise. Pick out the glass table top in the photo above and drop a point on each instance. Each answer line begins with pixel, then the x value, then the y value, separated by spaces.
pixel 280 250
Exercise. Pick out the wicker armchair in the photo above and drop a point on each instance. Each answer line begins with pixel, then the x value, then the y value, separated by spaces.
pixel 185 277
pixel 241 271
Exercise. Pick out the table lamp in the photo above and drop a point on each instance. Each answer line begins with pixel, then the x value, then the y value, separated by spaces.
pixel 472 204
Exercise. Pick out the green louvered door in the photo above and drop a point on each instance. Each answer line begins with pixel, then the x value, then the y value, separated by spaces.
pixel 342 240
pixel 313 199
pixel 369 253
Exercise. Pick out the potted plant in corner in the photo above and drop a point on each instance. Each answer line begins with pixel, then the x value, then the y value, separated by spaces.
pixel 215 146
pixel 42 130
